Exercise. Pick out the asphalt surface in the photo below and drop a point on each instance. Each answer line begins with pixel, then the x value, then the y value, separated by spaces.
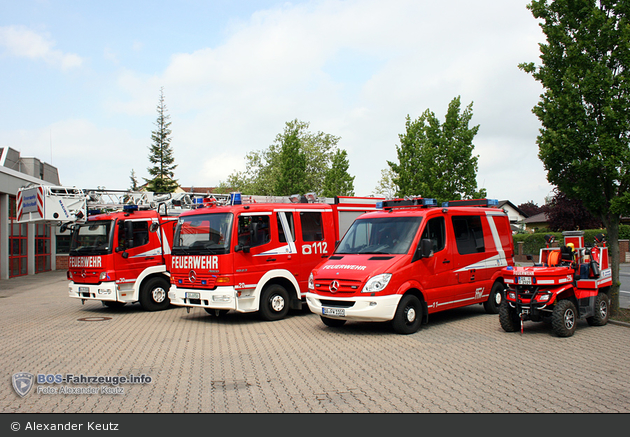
pixel 461 362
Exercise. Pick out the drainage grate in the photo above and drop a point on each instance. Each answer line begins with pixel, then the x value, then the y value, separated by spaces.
pixel 93 319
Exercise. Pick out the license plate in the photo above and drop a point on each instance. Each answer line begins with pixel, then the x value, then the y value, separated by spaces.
pixel 192 295
pixel 334 312
pixel 525 280
pixel 84 289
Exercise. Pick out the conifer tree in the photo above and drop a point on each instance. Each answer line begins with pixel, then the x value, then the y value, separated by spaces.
pixel 161 153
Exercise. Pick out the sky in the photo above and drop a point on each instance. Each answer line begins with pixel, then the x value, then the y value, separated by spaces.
pixel 80 83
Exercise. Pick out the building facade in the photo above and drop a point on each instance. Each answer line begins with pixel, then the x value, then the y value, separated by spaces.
pixel 25 249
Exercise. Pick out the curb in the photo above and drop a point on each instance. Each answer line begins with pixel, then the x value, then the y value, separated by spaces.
pixel 615 322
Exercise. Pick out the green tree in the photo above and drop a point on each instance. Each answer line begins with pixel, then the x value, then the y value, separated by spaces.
pixel 338 181
pixel 134 181
pixel 386 186
pixel 584 138
pixel 263 167
pixel 291 177
pixel 436 160
pixel 161 153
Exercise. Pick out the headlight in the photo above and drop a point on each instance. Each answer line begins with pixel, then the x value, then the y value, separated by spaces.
pixel 512 295
pixel 544 298
pixel 377 283
pixel 311 282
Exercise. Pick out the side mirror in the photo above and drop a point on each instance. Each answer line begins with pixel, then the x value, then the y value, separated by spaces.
pixel 154 227
pixel 128 226
pixel 239 247
pixel 425 249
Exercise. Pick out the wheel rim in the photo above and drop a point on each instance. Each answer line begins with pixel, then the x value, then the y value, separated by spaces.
pixel 603 309
pixel 277 303
pixel 498 297
pixel 159 294
pixel 410 315
pixel 569 319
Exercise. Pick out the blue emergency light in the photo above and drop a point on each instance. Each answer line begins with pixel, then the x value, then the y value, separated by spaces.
pixel 235 198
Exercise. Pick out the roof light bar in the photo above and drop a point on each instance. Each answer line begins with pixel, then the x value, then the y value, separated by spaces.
pixel 409 202
pixel 472 202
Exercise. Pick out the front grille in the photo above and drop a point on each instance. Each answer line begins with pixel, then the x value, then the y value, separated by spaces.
pixel 207 282
pixel 345 286
pixel 337 303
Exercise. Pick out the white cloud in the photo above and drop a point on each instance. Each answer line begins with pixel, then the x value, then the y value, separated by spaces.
pixel 85 154
pixel 301 61
pixel 22 42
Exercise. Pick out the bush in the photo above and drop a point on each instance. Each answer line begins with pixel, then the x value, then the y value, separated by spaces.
pixel 532 243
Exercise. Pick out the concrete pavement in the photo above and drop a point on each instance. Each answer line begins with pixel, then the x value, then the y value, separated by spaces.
pixel 461 362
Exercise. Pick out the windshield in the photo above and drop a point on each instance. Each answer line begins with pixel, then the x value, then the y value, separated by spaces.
pixel 92 238
pixel 386 235
pixel 203 234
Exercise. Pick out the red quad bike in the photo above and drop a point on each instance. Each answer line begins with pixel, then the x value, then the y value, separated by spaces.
pixel 569 283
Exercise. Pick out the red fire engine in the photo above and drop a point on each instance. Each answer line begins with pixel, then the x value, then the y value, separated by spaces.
pixel 568 283
pixel 256 253
pixel 412 259
pixel 120 244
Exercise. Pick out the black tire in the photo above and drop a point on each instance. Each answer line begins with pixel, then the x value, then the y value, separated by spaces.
pixel 564 318
pixel 154 294
pixel 333 323
pixel 113 304
pixel 408 317
pixel 509 319
pixel 215 312
pixel 602 310
pixel 274 302
pixel 493 303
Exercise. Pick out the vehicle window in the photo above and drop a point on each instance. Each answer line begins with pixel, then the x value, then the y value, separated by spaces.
pixel 468 234
pixel 253 230
pixel 312 228
pixel 435 231
pixel 203 234
pixel 91 238
pixel 380 236
pixel 140 234
pixel 281 236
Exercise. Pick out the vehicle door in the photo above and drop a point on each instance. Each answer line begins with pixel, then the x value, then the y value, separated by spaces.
pixel 142 248
pixel 472 241
pixel 256 247
pixel 435 274
pixel 315 240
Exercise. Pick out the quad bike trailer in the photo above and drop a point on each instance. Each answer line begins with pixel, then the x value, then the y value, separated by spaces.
pixel 568 283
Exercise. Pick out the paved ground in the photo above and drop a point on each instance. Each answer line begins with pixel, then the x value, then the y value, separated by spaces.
pixel 461 362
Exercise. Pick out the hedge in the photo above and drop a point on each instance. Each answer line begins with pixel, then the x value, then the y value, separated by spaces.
pixel 532 243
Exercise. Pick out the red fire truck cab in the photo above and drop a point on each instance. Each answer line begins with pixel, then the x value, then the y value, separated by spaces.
pixel 120 257
pixel 251 256
pixel 412 259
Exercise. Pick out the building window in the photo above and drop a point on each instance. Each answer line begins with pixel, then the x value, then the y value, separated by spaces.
pixel 18 242
pixel 42 248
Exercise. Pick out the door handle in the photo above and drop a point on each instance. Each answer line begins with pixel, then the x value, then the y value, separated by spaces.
pixel 446 261
pixel 270 259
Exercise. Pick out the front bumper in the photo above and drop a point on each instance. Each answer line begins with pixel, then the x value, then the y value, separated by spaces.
pixel 104 291
pixel 359 308
pixel 221 298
